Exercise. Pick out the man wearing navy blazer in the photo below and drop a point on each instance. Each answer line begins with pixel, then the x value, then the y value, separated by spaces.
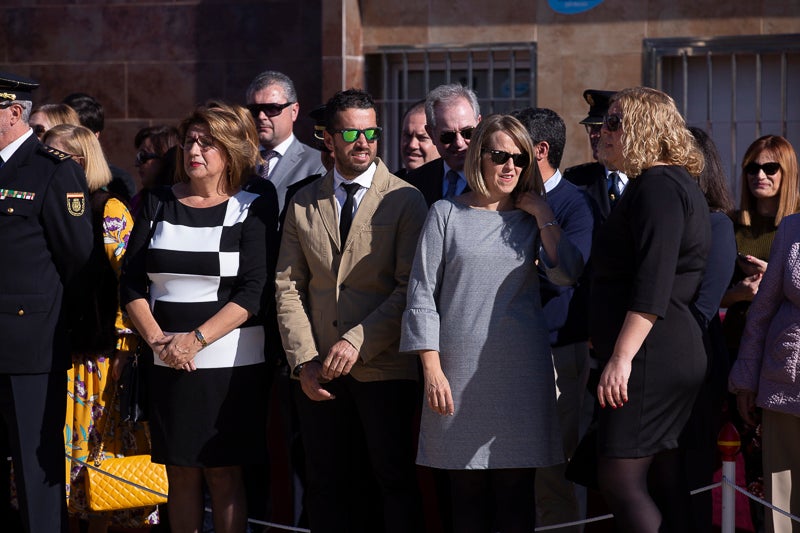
pixel 272 100
pixel 451 112
pixel 46 239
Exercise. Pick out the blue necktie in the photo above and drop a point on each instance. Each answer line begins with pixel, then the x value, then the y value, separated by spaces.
pixel 452 182
pixel 613 188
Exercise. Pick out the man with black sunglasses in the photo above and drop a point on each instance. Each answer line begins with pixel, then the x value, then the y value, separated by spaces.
pixel 603 185
pixel 452 112
pixel 272 101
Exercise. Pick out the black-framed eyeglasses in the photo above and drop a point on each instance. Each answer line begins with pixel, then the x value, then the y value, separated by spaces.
pixel 448 137
pixel 612 122
pixel 770 169
pixel 271 110
pixel 7 104
pixel 499 157
pixel 205 143
pixel 143 157
pixel 351 134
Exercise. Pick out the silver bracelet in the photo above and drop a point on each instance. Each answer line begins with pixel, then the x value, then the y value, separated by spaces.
pixel 548 224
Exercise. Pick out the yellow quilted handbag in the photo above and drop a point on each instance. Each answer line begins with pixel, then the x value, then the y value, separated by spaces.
pixel 126 482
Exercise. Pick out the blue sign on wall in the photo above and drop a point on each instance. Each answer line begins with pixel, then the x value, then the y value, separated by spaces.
pixel 570 7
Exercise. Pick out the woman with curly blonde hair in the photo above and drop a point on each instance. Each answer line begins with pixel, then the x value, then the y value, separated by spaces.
pixel 649 258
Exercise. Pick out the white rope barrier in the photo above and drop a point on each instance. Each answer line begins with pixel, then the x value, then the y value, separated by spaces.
pixel 763 502
pixel 575 523
pixel 283 527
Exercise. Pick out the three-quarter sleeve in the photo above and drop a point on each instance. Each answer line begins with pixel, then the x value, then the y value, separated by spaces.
pixel 253 268
pixel 133 279
pixel 420 324
pixel 570 263
pixel 657 223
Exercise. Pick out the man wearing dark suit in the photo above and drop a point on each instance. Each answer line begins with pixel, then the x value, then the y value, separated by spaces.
pixel 452 112
pixel 46 239
pixel 416 146
pixel 603 185
pixel 346 252
pixel 272 100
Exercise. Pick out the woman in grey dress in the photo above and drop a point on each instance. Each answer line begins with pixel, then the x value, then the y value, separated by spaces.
pixel 475 318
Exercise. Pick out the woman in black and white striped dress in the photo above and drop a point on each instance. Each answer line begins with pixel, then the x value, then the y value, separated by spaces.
pixel 192 284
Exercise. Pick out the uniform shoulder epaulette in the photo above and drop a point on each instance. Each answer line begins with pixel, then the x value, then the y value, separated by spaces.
pixel 52 153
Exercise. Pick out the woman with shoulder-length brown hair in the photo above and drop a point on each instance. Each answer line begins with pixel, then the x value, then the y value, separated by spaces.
pixel 192 284
pixel 770 191
pixel 648 260
pixel 475 318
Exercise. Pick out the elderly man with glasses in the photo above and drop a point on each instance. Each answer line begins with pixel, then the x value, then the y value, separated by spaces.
pixel 452 112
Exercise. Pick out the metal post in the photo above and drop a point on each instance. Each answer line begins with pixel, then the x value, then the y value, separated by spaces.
pixel 729 444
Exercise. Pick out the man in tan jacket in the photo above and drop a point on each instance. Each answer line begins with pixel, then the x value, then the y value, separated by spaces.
pixel 348 245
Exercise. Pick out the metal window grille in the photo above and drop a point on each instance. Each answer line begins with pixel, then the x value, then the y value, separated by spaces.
pixel 736 88
pixel 503 75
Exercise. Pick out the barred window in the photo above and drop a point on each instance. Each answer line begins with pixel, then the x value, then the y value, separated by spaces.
pixel 736 88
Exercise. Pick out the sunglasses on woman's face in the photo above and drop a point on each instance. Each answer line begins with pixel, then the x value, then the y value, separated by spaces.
pixel 500 157
pixel 143 157
pixel 612 122
pixel 770 169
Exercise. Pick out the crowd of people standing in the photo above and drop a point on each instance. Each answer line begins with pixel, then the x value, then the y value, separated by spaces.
pixel 459 328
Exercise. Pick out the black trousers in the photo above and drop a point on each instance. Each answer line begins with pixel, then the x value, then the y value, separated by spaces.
pixel 33 408
pixel 364 434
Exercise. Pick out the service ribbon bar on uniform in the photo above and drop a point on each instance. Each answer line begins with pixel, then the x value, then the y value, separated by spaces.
pixel 6 193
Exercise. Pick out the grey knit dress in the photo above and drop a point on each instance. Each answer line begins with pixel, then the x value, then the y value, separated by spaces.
pixel 474 296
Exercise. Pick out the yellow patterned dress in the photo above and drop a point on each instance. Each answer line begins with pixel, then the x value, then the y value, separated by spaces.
pixel 90 390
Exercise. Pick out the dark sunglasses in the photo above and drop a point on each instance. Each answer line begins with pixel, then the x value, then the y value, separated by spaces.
pixel 143 157
pixel 500 157
pixel 205 143
pixel 350 134
pixel 447 137
pixel 38 130
pixel 271 110
pixel 770 169
pixel 612 122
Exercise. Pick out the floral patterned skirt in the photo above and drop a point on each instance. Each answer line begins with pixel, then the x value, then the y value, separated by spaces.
pixel 90 418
